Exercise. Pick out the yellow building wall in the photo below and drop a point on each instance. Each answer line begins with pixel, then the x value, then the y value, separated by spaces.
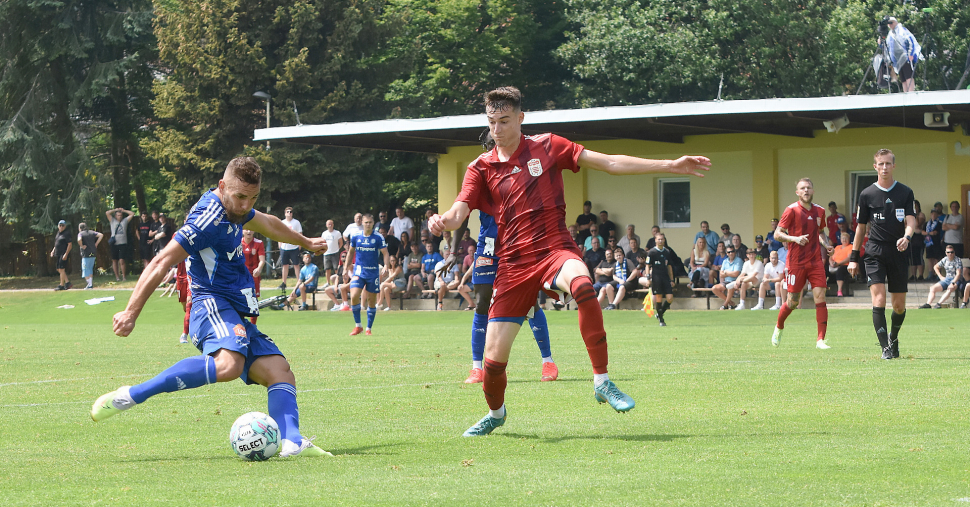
pixel 753 176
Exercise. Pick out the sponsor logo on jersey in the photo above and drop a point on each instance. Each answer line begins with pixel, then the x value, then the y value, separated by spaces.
pixel 239 330
pixel 535 167
pixel 483 261
pixel 900 214
pixel 237 251
pixel 188 234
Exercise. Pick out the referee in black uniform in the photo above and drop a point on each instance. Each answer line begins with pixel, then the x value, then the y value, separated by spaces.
pixel 887 208
pixel 660 260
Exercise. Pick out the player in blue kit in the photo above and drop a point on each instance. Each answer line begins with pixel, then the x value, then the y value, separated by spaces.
pixel 367 271
pixel 484 269
pixel 222 296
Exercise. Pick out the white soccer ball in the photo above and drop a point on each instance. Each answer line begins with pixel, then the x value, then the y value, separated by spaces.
pixel 438 275
pixel 255 437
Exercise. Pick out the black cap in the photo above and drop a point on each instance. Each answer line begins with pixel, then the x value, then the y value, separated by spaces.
pixel 759 238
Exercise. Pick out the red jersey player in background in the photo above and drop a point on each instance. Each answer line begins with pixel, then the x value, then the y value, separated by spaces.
pixel 185 297
pixel 254 252
pixel 519 182
pixel 801 227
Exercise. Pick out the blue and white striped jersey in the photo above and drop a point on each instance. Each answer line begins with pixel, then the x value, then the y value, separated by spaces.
pixel 217 264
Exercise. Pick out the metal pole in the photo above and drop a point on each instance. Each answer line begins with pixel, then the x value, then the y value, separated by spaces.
pixel 267 122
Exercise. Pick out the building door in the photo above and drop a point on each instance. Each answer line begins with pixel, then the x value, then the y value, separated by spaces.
pixel 964 209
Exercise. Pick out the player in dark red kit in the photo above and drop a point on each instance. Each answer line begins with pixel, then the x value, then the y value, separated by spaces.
pixel 801 227
pixel 254 251
pixel 519 182
pixel 182 284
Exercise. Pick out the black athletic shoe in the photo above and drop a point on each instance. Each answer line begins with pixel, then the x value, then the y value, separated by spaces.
pixel 68 286
pixel 887 353
pixel 894 346
pixel 662 323
pixel 59 287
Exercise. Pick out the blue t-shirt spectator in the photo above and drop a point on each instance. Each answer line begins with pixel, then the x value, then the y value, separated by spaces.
pixel 309 275
pixel 773 244
pixel 429 261
pixel 711 237
pixel 729 265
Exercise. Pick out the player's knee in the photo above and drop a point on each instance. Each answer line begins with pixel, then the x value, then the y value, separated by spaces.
pixel 228 367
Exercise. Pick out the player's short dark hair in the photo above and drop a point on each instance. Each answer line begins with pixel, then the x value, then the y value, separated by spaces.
pixel 505 97
pixel 246 169
pixel 885 151
pixel 367 215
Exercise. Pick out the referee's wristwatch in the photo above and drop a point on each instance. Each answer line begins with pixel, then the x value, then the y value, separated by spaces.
pixel 908 238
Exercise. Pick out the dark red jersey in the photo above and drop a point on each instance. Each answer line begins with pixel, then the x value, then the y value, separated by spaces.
pixel 181 274
pixel 251 253
pixel 525 195
pixel 799 221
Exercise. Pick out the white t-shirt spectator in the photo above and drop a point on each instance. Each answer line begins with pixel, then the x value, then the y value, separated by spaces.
pixel 952 236
pixel 332 242
pixel 352 230
pixel 294 226
pixel 773 271
pixel 119 230
pixel 402 225
pixel 757 268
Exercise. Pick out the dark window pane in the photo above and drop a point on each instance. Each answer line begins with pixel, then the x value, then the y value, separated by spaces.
pixel 675 201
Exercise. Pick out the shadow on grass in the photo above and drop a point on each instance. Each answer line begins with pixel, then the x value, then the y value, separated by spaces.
pixel 368 450
pixel 625 438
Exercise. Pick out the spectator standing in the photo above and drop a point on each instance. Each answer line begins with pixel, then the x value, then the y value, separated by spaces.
pixel 331 258
pixel 143 233
pixel 163 233
pixel 953 230
pixel 382 220
pixel 118 240
pixel 739 246
pixel 631 233
pixel 254 252
pixel 401 224
pixel 584 221
pixel 393 244
pixel 88 242
pixel 62 248
pixel 593 233
pixel 289 253
pixel 774 279
pixel 435 240
pixel 652 240
pixel 354 228
pixel 832 223
pixel 607 229
pixel 904 52
pixel 918 245
pixel 594 255
pixel 711 238
pixel 950 272
pixel 933 239
pixel 773 244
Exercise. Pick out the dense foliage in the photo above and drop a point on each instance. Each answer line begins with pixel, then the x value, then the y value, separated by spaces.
pixel 130 102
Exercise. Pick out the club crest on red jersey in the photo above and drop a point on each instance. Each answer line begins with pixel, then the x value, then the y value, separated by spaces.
pixel 535 167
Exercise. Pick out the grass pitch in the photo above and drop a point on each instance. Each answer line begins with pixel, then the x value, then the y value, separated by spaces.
pixel 722 418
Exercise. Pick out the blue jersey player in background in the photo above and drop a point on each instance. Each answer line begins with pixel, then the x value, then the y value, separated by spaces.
pixel 367 271
pixel 484 268
pixel 222 296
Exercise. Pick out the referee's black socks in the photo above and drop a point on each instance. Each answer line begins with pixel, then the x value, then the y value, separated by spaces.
pixel 897 322
pixel 879 323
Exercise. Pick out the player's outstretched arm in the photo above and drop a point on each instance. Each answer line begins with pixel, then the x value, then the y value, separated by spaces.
pixel 150 279
pixel 450 221
pixel 624 164
pixel 274 228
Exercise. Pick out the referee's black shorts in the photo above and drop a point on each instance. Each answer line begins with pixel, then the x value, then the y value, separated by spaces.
pixel 661 286
pixel 885 264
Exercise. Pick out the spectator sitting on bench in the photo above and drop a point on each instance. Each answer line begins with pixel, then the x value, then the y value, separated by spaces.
pixel 720 255
pixel 950 272
pixel 395 281
pixel 839 262
pixel 751 274
pixel 605 287
pixel 729 272
pixel 307 283
pixel 774 279
pixel 625 274
pixel 700 264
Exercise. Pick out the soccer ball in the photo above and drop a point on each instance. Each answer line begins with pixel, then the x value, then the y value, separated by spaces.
pixel 255 437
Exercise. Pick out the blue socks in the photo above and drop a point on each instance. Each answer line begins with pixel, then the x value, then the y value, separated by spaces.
pixel 356 310
pixel 479 324
pixel 281 402
pixel 540 330
pixel 371 313
pixel 189 373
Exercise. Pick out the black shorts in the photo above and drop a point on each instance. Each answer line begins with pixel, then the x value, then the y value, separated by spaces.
pixel 119 252
pixel 61 263
pixel 290 257
pixel 146 250
pixel 661 286
pixel 906 72
pixel 885 264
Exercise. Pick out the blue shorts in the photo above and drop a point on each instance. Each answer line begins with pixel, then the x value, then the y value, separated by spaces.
pixel 213 326
pixel 485 268
pixel 87 266
pixel 310 289
pixel 371 285
pixel 945 283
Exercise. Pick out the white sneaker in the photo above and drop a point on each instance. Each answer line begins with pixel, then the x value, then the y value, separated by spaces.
pixel 776 337
pixel 386 309
pixel 758 307
pixel 305 448
pixel 184 338
pixel 740 306
pixel 820 344
pixel 776 307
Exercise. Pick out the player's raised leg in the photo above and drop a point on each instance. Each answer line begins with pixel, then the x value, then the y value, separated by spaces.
pixel 573 277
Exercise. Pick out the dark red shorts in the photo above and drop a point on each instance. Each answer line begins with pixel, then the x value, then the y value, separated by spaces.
pixel 516 285
pixel 796 277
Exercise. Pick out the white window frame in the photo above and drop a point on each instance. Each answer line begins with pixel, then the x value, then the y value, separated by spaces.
pixel 854 189
pixel 660 203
